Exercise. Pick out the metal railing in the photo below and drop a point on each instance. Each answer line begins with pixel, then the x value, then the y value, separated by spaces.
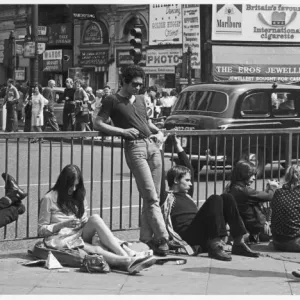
pixel 111 190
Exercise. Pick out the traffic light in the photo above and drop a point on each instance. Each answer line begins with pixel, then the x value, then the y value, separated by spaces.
pixel 136 42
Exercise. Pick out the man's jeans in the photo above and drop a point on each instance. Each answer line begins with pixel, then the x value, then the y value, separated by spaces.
pixel 144 160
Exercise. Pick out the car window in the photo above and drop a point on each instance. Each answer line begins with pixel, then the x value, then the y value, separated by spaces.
pixel 283 104
pixel 256 104
pixel 201 100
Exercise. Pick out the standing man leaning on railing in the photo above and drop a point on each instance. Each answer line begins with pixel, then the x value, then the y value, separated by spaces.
pixel 128 112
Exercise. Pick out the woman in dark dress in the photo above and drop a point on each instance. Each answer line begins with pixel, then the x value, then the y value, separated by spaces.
pixel 11 117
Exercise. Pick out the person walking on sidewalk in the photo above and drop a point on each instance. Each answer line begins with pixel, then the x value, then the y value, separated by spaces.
pixel 207 226
pixel 128 112
pixel 69 107
pixel 38 103
pixel 49 117
pixel 81 111
pixel 11 99
pixel 10 205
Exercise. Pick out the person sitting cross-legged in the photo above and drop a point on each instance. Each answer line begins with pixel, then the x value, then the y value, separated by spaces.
pixel 207 226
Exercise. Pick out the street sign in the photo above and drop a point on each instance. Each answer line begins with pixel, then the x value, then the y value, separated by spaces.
pixel 42 38
pixel 20 74
pixel 41 48
pixel 29 49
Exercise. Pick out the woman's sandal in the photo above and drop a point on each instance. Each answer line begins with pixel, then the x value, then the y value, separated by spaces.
pixel 140 263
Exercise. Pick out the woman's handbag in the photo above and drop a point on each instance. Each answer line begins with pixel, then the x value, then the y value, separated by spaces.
pixel 94 263
pixel 70 258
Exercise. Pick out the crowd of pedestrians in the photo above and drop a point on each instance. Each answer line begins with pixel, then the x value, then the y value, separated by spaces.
pixel 35 106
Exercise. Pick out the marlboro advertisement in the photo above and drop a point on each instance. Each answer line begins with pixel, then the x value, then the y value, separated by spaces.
pixel 256 22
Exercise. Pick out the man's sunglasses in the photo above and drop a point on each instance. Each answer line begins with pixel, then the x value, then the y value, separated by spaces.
pixel 136 84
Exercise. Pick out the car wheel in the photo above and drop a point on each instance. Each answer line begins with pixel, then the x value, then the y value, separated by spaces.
pixel 257 160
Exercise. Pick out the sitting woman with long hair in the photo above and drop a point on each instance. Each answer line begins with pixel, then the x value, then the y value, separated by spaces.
pixel 249 201
pixel 285 206
pixel 65 206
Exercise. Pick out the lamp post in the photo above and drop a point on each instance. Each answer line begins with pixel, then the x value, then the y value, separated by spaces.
pixel 12 62
pixel 189 64
pixel 34 65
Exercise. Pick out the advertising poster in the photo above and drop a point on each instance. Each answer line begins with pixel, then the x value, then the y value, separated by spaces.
pixel 191 33
pixel 165 24
pixel 256 22
pixel 256 64
pixel 163 57
pixel 52 60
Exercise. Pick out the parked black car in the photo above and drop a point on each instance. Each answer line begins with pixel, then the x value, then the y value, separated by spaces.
pixel 236 106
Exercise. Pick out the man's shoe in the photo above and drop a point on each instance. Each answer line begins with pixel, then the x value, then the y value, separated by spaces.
pixel 216 250
pixel 11 185
pixel 219 254
pixel 243 250
pixel 296 273
pixel 160 247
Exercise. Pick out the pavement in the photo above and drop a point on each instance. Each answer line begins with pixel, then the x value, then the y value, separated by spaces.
pixel 269 274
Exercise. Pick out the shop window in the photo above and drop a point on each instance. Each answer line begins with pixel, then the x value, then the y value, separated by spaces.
pixel 256 104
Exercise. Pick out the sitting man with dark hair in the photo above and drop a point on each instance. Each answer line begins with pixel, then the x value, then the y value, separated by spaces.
pixel 10 205
pixel 207 226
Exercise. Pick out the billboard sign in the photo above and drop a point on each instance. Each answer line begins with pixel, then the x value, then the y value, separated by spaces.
pixel 165 24
pixel 256 64
pixel 163 57
pixel 256 22
pixel 191 33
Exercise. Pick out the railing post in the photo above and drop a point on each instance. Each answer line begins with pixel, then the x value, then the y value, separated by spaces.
pixel 288 149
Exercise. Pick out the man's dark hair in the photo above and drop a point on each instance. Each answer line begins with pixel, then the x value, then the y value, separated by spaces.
pixel 107 86
pixel 132 71
pixel 176 173
pixel 10 80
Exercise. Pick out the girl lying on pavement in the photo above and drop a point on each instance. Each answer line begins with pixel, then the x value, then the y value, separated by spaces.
pixel 64 209
pixel 204 227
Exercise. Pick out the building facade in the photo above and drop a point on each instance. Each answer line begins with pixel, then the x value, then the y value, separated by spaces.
pixel 238 43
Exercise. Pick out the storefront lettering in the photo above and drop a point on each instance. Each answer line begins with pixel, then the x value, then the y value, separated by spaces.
pixel 170 59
